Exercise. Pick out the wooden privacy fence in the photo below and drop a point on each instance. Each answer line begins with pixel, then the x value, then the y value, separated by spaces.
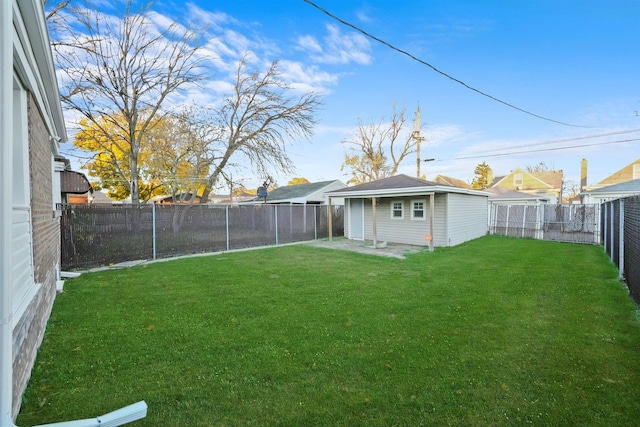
pixel 564 223
pixel 100 235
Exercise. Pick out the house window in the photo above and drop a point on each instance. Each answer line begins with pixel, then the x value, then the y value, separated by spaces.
pixel 418 210
pixel 397 210
pixel 23 286
pixel 518 179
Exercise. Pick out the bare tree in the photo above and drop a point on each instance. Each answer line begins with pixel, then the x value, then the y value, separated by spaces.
pixel 374 151
pixel 255 123
pixel 54 7
pixel 540 167
pixel 117 74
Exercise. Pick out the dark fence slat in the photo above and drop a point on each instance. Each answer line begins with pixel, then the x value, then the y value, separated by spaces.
pixel 621 239
pixel 100 235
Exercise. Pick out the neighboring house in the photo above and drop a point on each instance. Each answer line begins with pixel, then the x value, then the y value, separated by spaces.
pixel 73 186
pixel 180 198
pixel 544 184
pixel 314 193
pixel 447 180
pixel 628 173
pixel 31 129
pixel 504 196
pixel 403 209
pixel 611 192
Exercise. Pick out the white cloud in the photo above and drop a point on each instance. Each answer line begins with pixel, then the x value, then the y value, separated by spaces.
pixel 337 47
pixel 306 78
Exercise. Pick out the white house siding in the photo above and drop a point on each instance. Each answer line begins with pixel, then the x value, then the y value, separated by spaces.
pixel 467 218
pixel 406 230
pixel 442 221
pixel 35 234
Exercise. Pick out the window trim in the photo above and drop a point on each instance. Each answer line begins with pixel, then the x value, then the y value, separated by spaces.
pixel 424 210
pixel 518 177
pixel 393 210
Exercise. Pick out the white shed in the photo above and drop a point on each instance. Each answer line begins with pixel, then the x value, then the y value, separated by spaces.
pixel 403 209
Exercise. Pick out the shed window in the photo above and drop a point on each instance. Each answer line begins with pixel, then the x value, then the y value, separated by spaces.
pixel 418 209
pixel 397 211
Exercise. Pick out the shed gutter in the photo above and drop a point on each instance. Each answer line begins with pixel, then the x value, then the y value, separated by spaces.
pixel 407 191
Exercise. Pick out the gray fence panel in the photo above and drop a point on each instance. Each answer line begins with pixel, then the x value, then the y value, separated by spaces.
pixel 565 223
pixel 99 235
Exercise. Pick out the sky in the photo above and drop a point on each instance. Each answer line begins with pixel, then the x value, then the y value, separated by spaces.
pixel 569 71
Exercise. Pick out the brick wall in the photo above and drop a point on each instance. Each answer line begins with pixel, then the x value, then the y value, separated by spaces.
pixel 28 333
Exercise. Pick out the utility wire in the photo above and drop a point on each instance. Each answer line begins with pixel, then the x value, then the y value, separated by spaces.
pixel 578 138
pixel 539 150
pixel 389 45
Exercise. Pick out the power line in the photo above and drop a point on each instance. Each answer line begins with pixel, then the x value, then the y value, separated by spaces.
pixel 537 151
pixel 389 45
pixel 555 141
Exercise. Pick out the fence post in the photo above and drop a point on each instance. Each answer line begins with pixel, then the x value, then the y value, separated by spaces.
pixel 315 222
pixel 153 227
pixel 603 223
pixel 226 220
pixel 612 225
pixel 275 207
pixel 621 243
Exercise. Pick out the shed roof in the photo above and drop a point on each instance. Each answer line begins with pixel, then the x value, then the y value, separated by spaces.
pixel 400 185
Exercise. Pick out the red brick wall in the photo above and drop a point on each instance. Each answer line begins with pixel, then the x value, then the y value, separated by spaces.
pixel 28 333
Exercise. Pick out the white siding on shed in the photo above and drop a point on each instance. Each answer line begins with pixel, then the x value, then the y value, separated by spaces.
pixel 405 230
pixel 467 218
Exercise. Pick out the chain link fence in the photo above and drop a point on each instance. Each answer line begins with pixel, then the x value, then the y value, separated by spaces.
pixel 621 238
pixel 563 223
pixel 100 235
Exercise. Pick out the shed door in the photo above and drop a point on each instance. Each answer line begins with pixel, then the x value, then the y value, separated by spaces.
pixel 356 219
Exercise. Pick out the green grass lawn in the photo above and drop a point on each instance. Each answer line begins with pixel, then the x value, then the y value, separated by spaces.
pixel 497 331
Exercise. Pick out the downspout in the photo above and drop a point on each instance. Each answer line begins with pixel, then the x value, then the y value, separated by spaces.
pixel 6 197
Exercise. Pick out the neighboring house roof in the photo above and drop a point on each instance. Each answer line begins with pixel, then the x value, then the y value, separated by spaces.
pixel 623 189
pixel 180 197
pixel 441 179
pixel 72 182
pixel 505 194
pixel 313 192
pixel 622 175
pixel 400 185
pixel 531 180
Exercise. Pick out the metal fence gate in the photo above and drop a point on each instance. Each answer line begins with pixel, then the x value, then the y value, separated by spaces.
pixel 621 238
pixel 563 223
pixel 99 235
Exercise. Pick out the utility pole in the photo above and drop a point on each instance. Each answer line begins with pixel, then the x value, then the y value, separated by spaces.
pixel 416 134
